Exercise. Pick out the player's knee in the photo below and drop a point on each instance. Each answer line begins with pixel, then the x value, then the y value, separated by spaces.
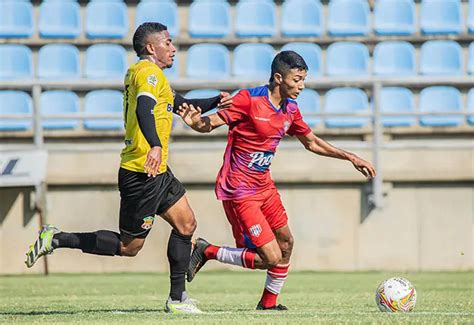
pixel 273 258
pixel 187 228
pixel 286 245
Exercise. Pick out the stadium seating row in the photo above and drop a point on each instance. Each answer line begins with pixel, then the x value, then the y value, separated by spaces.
pixel 253 18
pixel 212 61
pixel 443 99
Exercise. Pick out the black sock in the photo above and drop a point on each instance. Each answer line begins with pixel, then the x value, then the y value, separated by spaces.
pixel 101 242
pixel 179 251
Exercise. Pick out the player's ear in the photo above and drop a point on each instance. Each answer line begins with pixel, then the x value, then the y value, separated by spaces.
pixel 278 78
pixel 150 50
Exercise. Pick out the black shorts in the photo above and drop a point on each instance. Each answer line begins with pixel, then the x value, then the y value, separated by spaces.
pixel 143 197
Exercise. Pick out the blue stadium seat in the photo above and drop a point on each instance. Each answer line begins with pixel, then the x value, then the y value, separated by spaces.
pixel 308 102
pixel 394 17
pixel 105 61
pixel 173 72
pixel 16 19
pixel 441 57
pixel 470 106
pixel 209 19
pixel 15 102
pixel 59 102
pixel 311 53
pixel 208 61
pixel 347 59
pixel 103 102
pixel 470 60
pixel 106 19
pixel 440 99
pixel 255 19
pixel 394 58
pixel 203 93
pixel 165 12
pixel 397 100
pixel 58 61
pixel 15 62
pixel 470 18
pixel 253 61
pixel 348 17
pixel 441 17
pixel 346 100
pixel 59 19
pixel 301 18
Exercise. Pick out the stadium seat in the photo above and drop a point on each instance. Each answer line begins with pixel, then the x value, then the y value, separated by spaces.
pixel 348 17
pixel 15 62
pixel 15 102
pixel 311 53
pixel 58 61
pixel 106 19
pixel 470 106
pixel 255 19
pixel 253 61
pixel 103 102
pixel 16 19
pixel 394 17
pixel 165 12
pixel 346 100
pixel 105 61
pixel 470 60
pixel 397 100
pixel 440 99
pixel 59 19
pixel 470 18
pixel 441 57
pixel 173 72
pixel 394 58
pixel 208 61
pixel 203 93
pixel 209 19
pixel 59 102
pixel 441 17
pixel 347 59
pixel 308 103
pixel 301 18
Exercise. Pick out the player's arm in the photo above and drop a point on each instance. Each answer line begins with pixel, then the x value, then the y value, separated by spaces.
pixel 318 146
pixel 224 100
pixel 204 124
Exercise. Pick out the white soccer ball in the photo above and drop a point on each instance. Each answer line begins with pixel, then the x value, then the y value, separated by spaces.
pixel 396 295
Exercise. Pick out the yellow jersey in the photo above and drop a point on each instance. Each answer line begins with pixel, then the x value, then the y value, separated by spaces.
pixel 145 78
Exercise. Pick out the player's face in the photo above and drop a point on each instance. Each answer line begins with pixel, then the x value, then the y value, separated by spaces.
pixel 162 49
pixel 293 83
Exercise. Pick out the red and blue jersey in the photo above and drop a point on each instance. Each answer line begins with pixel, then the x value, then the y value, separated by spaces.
pixel 256 128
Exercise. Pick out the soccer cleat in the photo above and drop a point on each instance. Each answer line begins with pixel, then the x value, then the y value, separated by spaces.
pixel 198 258
pixel 43 245
pixel 185 306
pixel 276 307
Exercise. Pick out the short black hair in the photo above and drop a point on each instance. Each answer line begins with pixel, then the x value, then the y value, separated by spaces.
pixel 142 33
pixel 285 61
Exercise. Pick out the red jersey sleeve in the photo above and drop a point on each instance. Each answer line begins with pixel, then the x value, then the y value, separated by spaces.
pixel 298 127
pixel 239 110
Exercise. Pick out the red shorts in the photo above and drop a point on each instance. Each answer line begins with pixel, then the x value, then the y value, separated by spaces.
pixel 254 218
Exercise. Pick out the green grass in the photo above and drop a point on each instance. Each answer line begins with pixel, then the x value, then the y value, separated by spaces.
pixel 230 298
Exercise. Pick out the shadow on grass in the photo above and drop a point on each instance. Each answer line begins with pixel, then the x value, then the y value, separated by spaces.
pixel 75 312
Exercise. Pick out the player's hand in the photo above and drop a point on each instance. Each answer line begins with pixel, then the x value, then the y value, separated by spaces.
pixel 153 161
pixel 363 166
pixel 226 100
pixel 191 115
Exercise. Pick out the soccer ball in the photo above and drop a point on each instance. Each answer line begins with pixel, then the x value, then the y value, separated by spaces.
pixel 395 295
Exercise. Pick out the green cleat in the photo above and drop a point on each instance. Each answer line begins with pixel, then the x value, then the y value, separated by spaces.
pixel 185 306
pixel 42 246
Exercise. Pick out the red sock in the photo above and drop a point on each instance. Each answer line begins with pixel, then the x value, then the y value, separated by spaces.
pixel 269 299
pixel 211 252
pixel 276 277
pixel 248 259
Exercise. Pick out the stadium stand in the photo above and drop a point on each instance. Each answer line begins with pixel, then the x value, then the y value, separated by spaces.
pixel 165 12
pixel 347 59
pixel 470 106
pixel 253 61
pixel 346 100
pixel 309 103
pixel 470 18
pixel 255 19
pixel 105 61
pixel 311 53
pixel 100 102
pixel 441 57
pixel 209 19
pixel 470 60
pixel 106 19
pixel 16 19
pixel 394 58
pixel 208 61
pixel 440 99
pixel 15 102
pixel 15 62
pixel 203 93
pixel 59 19
pixel 441 17
pixel 173 73
pixel 397 100
pixel 394 17
pixel 301 18
pixel 59 102
pixel 348 17
pixel 58 61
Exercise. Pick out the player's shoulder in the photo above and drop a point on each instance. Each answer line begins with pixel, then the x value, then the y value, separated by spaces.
pixel 292 106
pixel 147 71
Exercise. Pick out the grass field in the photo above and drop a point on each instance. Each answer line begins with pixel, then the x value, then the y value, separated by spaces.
pixel 230 297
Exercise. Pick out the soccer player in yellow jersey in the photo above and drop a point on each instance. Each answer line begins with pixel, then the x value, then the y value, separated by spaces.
pixel 147 186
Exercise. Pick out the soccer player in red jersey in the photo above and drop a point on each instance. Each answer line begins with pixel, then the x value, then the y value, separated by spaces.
pixel 258 119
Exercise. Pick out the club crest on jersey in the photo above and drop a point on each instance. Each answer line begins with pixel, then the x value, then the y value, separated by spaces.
pixel 255 230
pixel 261 160
pixel 152 80
pixel 148 222
pixel 286 125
